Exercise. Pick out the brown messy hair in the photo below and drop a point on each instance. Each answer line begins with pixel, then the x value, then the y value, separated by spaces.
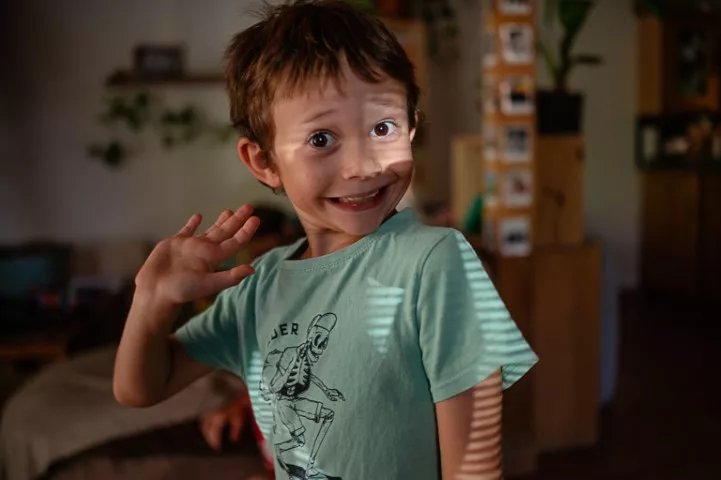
pixel 298 43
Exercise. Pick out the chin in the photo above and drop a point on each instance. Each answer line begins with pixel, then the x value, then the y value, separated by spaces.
pixel 360 227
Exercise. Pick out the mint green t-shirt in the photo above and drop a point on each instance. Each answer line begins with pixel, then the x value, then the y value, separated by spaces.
pixel 345 355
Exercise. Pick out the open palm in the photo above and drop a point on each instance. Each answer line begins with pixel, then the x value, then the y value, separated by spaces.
pixel 182 268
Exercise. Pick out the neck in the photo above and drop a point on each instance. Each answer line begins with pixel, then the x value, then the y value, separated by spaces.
pixel 325 242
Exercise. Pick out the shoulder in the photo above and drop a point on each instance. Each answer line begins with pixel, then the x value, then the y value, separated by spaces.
pixel 428 245
pixel 274 257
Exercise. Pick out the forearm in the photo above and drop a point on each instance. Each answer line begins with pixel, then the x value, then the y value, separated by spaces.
pixel 143 363
pixel 469 428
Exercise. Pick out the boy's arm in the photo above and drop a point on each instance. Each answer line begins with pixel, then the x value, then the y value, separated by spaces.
pixel 150 365
pixel 469 432
pixel 145 343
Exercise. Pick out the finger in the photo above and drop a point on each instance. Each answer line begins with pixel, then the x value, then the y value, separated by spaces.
pixel 190 226
pixel 212 433
pixel 233 245
pixel 230 226
pixel 225 215
pixel 221 280
pixel 236 426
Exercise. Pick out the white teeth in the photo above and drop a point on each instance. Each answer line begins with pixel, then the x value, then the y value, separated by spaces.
pixel 358 199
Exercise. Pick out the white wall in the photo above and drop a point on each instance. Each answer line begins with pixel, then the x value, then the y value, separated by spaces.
pixel 63 52
pixel 612 189
pixel 15 187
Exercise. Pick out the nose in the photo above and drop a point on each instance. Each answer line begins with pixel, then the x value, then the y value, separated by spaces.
pixel 361 163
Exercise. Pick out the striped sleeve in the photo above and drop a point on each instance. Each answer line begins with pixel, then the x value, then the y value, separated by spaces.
pixel 465 330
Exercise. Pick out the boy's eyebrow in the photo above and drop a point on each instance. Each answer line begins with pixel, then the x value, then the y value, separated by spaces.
pixel 318 115
pixel 388 102
pixel 380 101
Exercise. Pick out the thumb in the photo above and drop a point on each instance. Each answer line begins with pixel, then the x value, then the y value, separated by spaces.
pixel 221 280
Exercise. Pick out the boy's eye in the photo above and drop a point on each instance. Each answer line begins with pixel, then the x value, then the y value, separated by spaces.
pixel 384 128
pixel 321 140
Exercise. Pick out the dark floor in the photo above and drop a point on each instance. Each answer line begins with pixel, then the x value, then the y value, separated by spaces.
pixel 665 421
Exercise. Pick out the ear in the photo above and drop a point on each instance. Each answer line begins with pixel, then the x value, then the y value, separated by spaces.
pixel 256 160
pixel 414 129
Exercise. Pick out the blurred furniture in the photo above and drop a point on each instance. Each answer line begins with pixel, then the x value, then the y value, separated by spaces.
pixel 534 244
pixel 58 298
pixel 554 296
pixel 466 174
pixel 681 232
pixel 677 67
pixel 65 423
pixel 558 211
pixel 679 150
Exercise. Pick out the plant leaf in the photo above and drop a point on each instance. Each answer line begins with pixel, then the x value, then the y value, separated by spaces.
pixel 573 14
pixel 551 64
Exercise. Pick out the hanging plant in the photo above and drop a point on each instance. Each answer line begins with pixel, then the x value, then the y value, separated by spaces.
pixel 130 115
pixel 180 126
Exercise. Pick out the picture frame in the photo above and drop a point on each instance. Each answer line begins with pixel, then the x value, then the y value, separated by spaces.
pixel 159 61
pixel 517 188
pixel 517 95
pixel 515 7
pixel 515 236
pixel 516 43
pixel 517 143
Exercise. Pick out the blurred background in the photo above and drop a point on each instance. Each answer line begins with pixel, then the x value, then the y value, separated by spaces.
pixel 576 143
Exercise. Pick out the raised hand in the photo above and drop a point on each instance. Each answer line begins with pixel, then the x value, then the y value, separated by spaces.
pixel 182 268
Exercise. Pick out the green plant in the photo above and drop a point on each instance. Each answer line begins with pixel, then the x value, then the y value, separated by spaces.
pixel 571 15
pixel 130 114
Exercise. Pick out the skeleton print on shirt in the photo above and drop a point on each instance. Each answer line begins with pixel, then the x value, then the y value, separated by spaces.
pixel 287 376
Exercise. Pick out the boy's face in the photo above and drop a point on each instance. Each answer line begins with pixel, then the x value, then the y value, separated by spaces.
pixel 343 157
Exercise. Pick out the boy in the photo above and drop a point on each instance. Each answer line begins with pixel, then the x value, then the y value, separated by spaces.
pixel 374 348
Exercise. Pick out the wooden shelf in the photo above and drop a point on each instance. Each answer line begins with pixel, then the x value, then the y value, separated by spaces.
pixel 131 79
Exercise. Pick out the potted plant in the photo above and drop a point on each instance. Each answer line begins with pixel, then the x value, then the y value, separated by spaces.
pixel 559 109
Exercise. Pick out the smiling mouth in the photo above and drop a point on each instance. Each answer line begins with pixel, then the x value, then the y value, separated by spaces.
pixel 364 197
pixel 362 201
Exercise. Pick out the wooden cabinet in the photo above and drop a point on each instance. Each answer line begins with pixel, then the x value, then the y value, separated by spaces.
pixel 681 232
pixel 466 174
pixel 554 296
pixel 566 313
pixel 558 207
